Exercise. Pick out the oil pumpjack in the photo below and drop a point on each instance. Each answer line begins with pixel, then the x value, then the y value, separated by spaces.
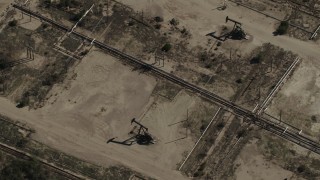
pixel 237 32
pixel 141 137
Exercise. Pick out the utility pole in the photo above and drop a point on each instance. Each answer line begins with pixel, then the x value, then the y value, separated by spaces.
pixel 280 116
pixel 142 16
pixel 30 13
pixel 107 11
pixel 187 120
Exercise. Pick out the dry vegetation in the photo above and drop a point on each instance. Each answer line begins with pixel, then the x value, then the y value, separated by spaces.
pixel 302 13
pixel 290 157
pixel 223 68
pixel 16 136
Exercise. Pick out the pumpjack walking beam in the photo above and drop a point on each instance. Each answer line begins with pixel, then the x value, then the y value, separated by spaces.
pixel 142 126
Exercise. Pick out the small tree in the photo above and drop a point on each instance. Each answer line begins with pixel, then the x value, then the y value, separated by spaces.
pixel 301 168
pixel 78 16
pixel 220 126
pixel 166 47
pixel 158 19
pixel 131 23
pixel 13 23
pixel 184 31
pixel 241 133
pixel 157 26
pixel 256 59
pixel 65 3
pixel 174 22
pixel 239 81
pixel 283 28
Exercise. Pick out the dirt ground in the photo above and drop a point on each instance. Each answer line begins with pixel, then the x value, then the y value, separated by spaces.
pixel 251 165
pixel 101 96
pixel 97 104
pixel 4 4
pixel 202 17
pixel 298 100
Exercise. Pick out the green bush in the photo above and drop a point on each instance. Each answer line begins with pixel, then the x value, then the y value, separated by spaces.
pixel 65 3
pixel 174 22
pixel 166 47
pixel 13 23
pixel 256 59
pixel 241 133
pixel 78 16
pixel 220 126
pixel 283 28
pixel 157 26
pixel 184 31
pixel 131 23
pixel 19 169
pixel 301 168
pixel 3 66
pixel 158 19
pixel 239 81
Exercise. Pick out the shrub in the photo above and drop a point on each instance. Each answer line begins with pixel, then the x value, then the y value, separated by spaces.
pixel 22 143
pixel 50 80
pixel 241 133
pixel 157 26
pixel 184 30
pixel 301 168
pixel 158 19
pixel 283 28
pixel 131 23
pixel 166 47
pixel 220 126
pixel 44 26
pixel 65 3
pixel 239 81
pixel 83 53
pixel 198 174
pixel 203 56
pixel 208 65
pixel 78 16
pixel 201 155
pixel 202 128
pixel 202 166
pixel 20 105
pixel 174 22
pixel 256 59
pixel 3 66
pixel 19 169
pixel 13 23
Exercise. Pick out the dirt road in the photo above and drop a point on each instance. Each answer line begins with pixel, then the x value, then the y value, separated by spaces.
pixel 96 103
pixel 76 121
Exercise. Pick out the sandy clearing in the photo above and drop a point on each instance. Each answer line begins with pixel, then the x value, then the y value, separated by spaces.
pixel 299 98
pixel 98 104
pixel 3 6
pixel 160 119
pixel 26 23
pixel 70 132
pixel 201 18
pixel 253 166
pixel 300 94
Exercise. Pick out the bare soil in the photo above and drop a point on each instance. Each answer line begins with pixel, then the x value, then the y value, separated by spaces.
pixel 96 99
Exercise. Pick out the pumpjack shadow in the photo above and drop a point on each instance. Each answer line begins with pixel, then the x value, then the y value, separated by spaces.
pixel 141 137
pixel 237 33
